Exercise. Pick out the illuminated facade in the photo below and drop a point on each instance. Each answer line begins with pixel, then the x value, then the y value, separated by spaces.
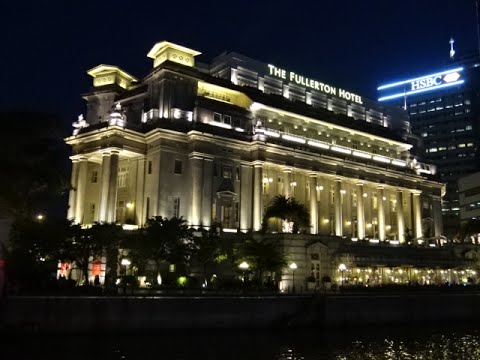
pixel 216 143
pixel 444 111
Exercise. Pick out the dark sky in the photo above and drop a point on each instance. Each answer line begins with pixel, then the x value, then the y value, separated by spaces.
pixel 47 46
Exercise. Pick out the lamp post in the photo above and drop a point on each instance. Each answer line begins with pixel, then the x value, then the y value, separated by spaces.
pixel 244 267
pixel 342 268
pixel 125 262
pixel 293 267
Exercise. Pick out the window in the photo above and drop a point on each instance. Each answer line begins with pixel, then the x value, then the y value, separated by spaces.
pixel 92 212
pixel 354 199
pixel 468 127
pixel 217 117
pixel 375 201
pixel 122 177
pixel 177 170
pixel 176 207
pixel 94 177
pixel 236 212
pixel 332 194
pixel 237 173
pixel 227 119
pixel 148 208
pixel 227 171
pixel 280 186
pixel 149 168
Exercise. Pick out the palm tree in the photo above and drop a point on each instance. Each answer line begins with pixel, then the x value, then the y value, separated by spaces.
pixel 289 210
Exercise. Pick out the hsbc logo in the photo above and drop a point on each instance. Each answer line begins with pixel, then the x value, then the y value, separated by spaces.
pixel 433 81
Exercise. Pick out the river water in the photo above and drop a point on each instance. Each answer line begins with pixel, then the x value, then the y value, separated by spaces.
pixel 435 343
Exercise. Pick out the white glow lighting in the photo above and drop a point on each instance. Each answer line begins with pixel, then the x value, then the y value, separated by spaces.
pixel 318 144
pixel 382 159
pixel 293 138
pixel 362 154
pixel 219 124
pixel 341 150
pixel 271 133
pixel 239 129
pixel 399 163
pixel 394 242
pixel 229 230
pixel 374 241
pixel 394 96
pixel 418 78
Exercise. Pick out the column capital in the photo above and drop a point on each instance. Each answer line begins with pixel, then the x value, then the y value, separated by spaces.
pixel 287 170
pixel 258 163
pixel 77 158
pixel 416 192
pixel 195 155
pixel 359 183
pixel 111 150
pixel 313 175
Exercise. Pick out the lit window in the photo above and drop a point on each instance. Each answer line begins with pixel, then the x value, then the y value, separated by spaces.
pixel 468 127
pixel 469 144
pixel 227 172
pixel 424 134
pixel 433 149
pixel 461 145
pixel 122 177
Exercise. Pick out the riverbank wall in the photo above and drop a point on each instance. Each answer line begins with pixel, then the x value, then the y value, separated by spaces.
pixel 144 314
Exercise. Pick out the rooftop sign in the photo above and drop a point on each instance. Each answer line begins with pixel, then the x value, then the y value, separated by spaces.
pixel 421 84
pixel 313 84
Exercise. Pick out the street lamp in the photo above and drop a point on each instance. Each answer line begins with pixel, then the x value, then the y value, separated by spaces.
pixel 293 267
pixel 342 268
pixel 244 267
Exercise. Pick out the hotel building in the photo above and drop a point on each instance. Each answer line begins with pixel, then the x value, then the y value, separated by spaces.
pixel 216 143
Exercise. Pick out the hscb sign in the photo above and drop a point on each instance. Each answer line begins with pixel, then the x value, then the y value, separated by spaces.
pixel 421 84
pixel 434 81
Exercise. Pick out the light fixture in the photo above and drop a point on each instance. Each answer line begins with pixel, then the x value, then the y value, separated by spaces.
pixel 320 187
pixel 129 205
pixel 244 265
pixel 125 262
pixel 293 266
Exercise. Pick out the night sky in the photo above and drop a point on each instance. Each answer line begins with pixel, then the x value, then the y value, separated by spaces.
pixel 48 46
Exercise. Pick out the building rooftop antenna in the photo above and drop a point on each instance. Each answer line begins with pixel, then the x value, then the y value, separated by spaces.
pixel 452 51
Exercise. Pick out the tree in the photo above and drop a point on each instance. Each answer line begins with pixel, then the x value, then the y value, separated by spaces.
pixel 469 229
pixel 34 155
pixel 165 240
pixel 34 249
pixel 209 249
pixel 289 210
pixel 263 256
pixel 86 244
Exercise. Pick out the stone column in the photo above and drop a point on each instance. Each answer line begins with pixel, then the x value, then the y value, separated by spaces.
pixel 196 165
pixel 139 192
pixel 417 214
pixel 81 190
pixel 72 197
pixel 381 214
pixel 437 215
pixel 360 212
pixel 338 208
pixel 257 197
pixel 206 215
pixel 400 217
pixel 104 185
pixel 246 187
pixel 313 205
pixel 288 180
pixel 112 188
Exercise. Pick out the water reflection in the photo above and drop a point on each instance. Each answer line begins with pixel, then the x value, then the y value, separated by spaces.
pixel 365 344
